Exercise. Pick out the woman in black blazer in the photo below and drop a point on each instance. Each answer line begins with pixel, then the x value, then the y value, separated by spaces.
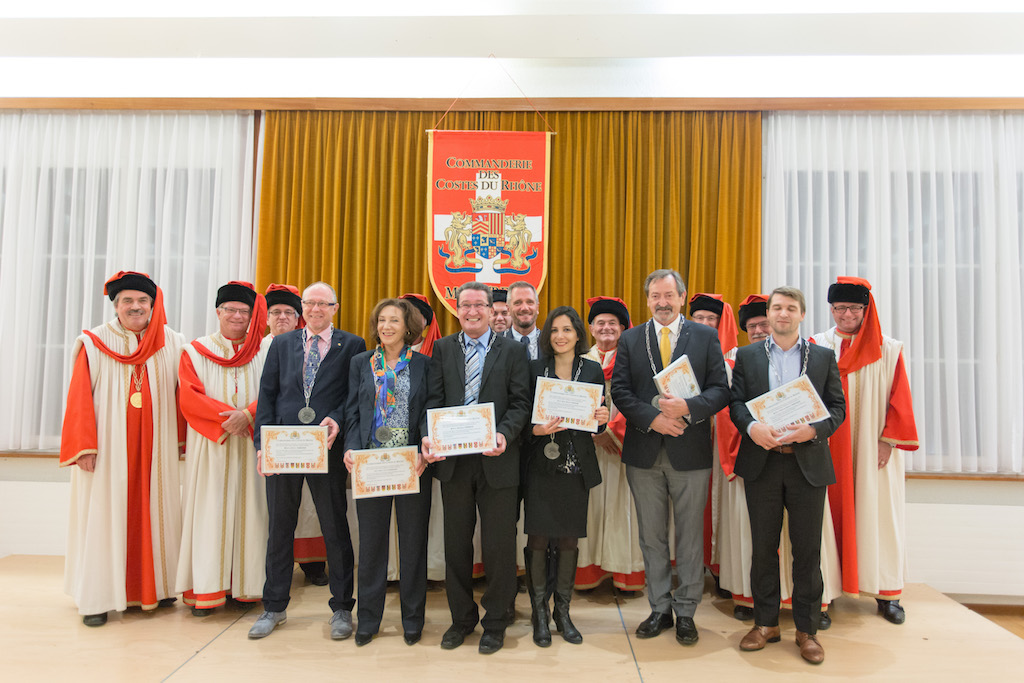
pixel 387 393
pixel 560 468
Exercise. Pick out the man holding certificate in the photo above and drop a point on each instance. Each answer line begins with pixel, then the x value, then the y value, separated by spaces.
pixel 305 382
pixel 785 464
pixel 667 449
pixel 387 394
pixel 477 371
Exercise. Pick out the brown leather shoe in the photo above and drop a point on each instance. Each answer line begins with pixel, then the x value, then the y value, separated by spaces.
pixel 810 648
pixel 758 637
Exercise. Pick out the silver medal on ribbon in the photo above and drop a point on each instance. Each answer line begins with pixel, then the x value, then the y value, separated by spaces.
pixel 307 415
pixel 551 451
pixel 383 434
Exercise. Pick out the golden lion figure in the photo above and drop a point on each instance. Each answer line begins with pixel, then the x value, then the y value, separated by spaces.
pixel 458 235
pixel 517 241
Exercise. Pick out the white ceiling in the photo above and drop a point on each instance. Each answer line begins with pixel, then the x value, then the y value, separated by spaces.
pixel 557 48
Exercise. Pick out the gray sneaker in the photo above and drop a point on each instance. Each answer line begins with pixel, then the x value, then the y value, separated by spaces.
pixel 341 624
pixel 267 622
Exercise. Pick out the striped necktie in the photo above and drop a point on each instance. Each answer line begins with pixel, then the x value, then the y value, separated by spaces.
pixel 474 362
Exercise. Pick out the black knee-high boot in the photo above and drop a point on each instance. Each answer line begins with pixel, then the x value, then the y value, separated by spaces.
pixel 565 582
pixel 536 586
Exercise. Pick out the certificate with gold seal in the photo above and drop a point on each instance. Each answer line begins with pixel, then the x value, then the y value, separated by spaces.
pixel 459 430
pixel 385 472
pixel 677 379
pixel 290 449
pixel 794 403
pixel 573 402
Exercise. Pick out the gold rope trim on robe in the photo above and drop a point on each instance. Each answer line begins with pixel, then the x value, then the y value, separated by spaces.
pixel 79 454
pixel 897 442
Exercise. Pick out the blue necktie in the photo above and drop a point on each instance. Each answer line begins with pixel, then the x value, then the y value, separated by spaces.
pixel 473 365
pixel 312 365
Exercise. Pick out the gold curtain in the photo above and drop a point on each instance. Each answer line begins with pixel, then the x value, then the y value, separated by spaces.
pixel 344 198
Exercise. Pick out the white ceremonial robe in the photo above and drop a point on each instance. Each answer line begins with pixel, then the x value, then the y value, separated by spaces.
pixel 880 497
pixel 94 565
pixel 225 519
pixel 612 544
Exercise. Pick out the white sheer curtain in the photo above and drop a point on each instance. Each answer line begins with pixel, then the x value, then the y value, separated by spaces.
pixel 929 207
pixel 84 195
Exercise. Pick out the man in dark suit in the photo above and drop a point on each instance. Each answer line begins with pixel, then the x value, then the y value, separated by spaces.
pixel 305 381
pixel 667 449
pixel 785 468
pixel 479 366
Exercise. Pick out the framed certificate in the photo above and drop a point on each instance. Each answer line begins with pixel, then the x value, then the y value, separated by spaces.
pixel 794 403
pixel 677 379
pixel 385 472
pixel 288 449
pixel 462 429
pixel 574 402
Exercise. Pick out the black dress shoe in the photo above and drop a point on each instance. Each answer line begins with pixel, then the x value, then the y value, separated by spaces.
pixel 721 592
pixel 891 610
pixel 686 631
pixel 95 619
pixel 454 636
pixel 318 579
pixel 824 621
pixel 491 642
pixel 654 625
pixel 202 611
pixel 362 638
pixel 412 637
pixel 167 602
pixel 742 612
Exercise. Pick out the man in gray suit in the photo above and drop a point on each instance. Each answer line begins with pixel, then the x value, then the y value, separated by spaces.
pixel 667 449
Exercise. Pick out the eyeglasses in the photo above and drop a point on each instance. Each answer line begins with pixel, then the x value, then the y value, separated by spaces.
pixel 759 326
pixel 235 311
pixel 473 307
pixel 277 314
pixel 319 304
pixel 705 318
pixel 856 308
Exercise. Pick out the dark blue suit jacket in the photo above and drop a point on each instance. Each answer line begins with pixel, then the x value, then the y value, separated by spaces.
pixel 281 396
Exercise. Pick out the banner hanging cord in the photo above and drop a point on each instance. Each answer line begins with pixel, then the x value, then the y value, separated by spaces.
pixel 528 100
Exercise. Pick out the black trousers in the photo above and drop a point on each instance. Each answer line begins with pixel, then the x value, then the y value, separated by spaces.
pixel 284 493
pixel 466 493
pixel 781 484
pixel 412 512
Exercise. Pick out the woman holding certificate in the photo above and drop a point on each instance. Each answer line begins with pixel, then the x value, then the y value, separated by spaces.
pixel 387 395
pixel 560 466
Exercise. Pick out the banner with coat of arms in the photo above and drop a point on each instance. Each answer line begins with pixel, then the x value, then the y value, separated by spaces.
pixel 488 208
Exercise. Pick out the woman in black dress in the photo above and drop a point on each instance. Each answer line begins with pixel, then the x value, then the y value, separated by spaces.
pixel 387 395
pixel 560 469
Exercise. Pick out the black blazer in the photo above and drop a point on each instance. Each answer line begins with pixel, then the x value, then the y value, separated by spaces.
pixel 633 388
pixel 750 380
pixel 583 442
pixel 281 396
pixel 362 394
pixel 504 381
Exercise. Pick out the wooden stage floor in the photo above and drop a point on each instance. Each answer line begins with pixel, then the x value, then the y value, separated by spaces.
pixel 44 640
